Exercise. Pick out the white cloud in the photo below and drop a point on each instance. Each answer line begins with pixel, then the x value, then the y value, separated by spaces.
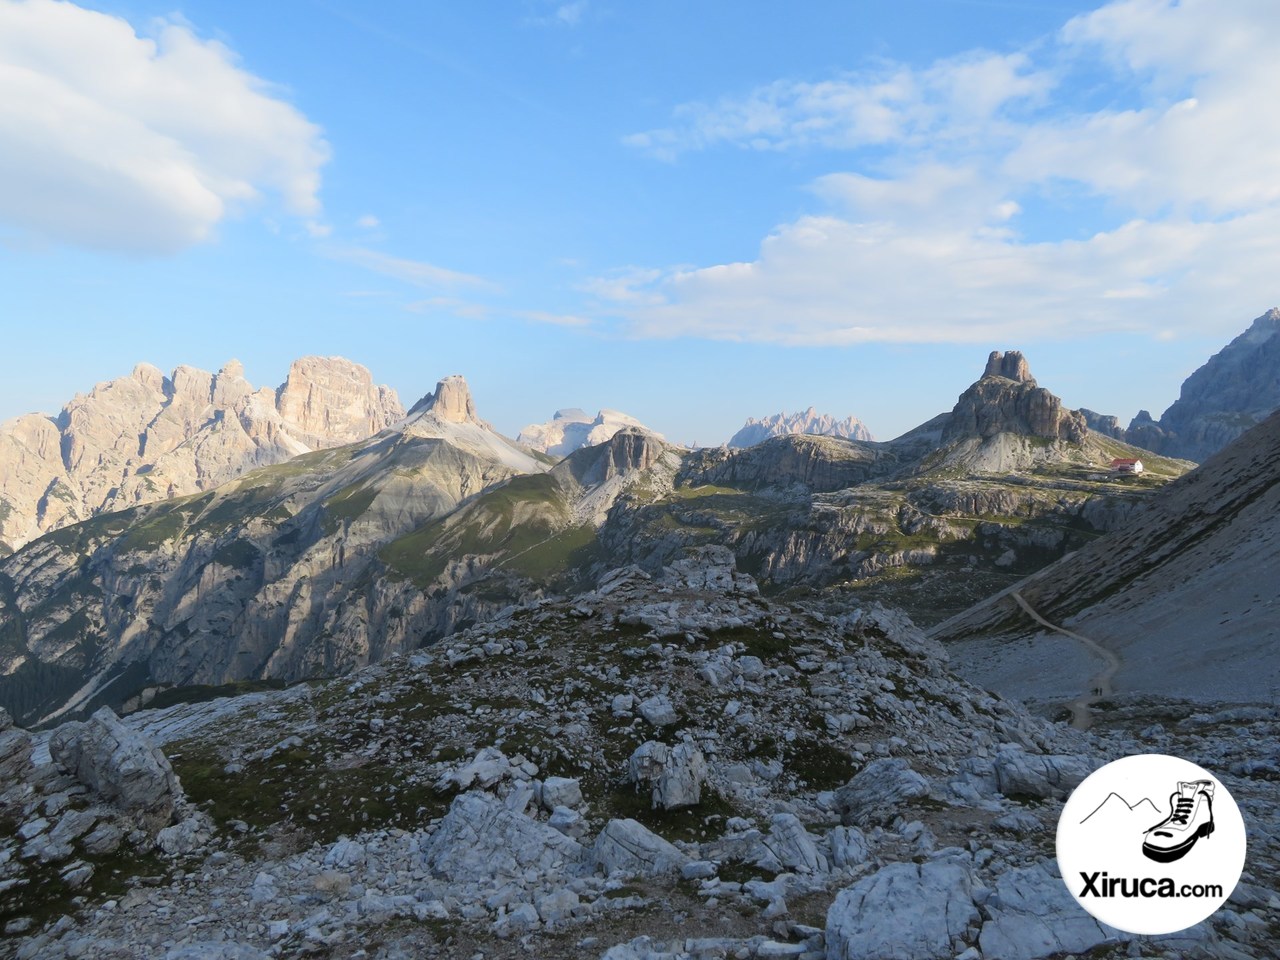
pixel 368 222
pixel 113 140
pixel 1206 137
pixel 888 104
pixel 549 13
pixel 555 319
pixel 415 272
pixel 462 309
pixel 826 280
pixel 571 13
pixel 941 240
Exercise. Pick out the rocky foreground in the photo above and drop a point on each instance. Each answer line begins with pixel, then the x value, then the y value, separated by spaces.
pixel 667 767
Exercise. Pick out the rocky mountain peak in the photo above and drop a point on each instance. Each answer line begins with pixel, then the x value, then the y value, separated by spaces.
pixel 631 449
pixel 232 368
pixel 573 429
pixel 1012 366
pixel 811 422
pixel 1264 327
pixel 149 376
pixel 628 451
pixel 1237 387
pixel 335 399
pixel 1007 400
pixel 145 437
pixel 451 401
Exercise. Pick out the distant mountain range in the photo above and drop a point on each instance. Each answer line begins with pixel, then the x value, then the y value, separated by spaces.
pixel 809 422
pixel 572 429
pixel 359 530
pixel 148 436
pixel 342 556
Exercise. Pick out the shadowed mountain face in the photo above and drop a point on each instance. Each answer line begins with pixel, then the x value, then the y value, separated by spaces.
pixel 147 437
pixel 1237 387
pixel 274 574
pixel 340 557
pixel 1186 592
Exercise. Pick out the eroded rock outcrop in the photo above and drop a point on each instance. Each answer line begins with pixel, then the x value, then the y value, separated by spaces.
pixel 482 839
pixel 877 793
pixel 119 765
pixel 630 848
pixel 1007 400
pixel 101 788
pixel 906 911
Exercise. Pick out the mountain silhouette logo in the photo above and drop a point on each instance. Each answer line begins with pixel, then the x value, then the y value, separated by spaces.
pixel 1172 837
pixel 1109 807
pixel 1144 865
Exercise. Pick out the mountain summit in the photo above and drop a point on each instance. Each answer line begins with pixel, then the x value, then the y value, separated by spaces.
pixel 1236 388
pixel 147 437
pixel 1007 400
pixel 451 402
pixel 572 429
pixel 809 422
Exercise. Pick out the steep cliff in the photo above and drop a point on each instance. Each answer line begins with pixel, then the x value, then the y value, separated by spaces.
pixel 1236 388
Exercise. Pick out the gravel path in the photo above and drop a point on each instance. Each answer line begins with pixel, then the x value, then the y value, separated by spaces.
pixel 1099 685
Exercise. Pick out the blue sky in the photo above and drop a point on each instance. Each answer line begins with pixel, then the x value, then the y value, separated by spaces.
pixel 691 212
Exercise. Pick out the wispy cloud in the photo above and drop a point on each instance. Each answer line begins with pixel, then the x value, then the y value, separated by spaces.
pixel 415 272
pixel 463 309
pixel 557 13
pixel 931 234
pixel 571 13
pixel 555 319
pixel 885 104
pixel 139 143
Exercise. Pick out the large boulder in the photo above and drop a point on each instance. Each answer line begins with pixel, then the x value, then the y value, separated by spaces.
pixel 484 770
pixel 849 846
pixel 480 839
pixel 119 765
pixel 626 846
pixel 878 791
pixel 676 774
pixel 1034 915
pixel 904 911
pixel 15 754
pixel 1045 776
pixel 789 846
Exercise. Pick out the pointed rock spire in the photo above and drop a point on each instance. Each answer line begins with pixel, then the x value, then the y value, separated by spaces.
pixel 1007 400
pixel 451 402
pixel 1012 366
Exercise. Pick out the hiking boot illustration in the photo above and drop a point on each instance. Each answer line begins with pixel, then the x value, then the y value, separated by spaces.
pixel 1190 818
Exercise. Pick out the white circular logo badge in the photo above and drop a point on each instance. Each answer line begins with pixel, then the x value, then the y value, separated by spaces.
pixel 1151 844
